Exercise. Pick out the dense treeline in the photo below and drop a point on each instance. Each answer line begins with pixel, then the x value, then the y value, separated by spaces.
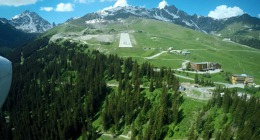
pixel 58 92
pixel 228 116
pixel 129 105
pixel 27 49
pixel 54 95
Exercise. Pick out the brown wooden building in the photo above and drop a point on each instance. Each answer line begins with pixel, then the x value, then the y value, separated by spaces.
pixel 204 66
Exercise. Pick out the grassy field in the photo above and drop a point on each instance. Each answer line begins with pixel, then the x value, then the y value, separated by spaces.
pixel 150 37
pixel 155 36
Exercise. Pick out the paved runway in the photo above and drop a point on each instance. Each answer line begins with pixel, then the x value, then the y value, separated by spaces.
pixel 125 40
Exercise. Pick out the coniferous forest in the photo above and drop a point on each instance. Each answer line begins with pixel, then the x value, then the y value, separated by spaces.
pixel 59 92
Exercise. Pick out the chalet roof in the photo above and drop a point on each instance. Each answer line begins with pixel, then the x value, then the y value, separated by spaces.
pixel 200 62
pixel 204 62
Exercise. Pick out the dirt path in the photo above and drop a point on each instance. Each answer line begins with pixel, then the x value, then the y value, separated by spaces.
pixel 116 85
pixel 227 85
pixel 156 55
pixel 184 77
pixel 112 136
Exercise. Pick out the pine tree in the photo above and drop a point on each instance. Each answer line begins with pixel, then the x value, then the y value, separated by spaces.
pixel 196 78
pixel 193 135
pixel 227 101
pixel 151 87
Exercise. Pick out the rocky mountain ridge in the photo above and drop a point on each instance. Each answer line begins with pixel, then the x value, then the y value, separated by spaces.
pixel 29 22
pixel 243 29
pixel 173 15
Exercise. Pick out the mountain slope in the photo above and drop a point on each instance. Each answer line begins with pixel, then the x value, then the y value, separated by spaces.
pixel 11 37
pixel 173 15
pixel 30 22
pixel 20 29
pixel 244 30
pixel 150 37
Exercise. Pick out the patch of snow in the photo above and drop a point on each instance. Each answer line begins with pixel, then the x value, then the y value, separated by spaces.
pixel 102 13
pixel 195 25
pixel 178 12
pixel 204 31
pixel 16 17
pixel 173 15
pixel 112 9
pixel 93 21
pixel 187 23
pixel 215 33
pixel 160 17
pixel 74 18
pixel 4 22
pixel 133 11
pixel 226 39
pixel 198 26
pixel 246 26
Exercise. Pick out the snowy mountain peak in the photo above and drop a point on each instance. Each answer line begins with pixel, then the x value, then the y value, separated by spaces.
pixel 30 22
pixel 134 10
pixel 164 13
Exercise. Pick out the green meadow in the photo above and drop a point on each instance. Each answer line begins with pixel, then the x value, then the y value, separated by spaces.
pixel 150 37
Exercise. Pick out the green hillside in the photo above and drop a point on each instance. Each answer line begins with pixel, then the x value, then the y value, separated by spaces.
pixel 11 38
pixel 243 34
pixel 150 37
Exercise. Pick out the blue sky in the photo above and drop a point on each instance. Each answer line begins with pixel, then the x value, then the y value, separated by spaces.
pixel 59 11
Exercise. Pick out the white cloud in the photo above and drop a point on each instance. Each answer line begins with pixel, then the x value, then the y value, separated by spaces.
pixel 84 1
pixel 223 11
pixel 17 2
pixel 258 15
pixel 48 9
pixel 121 3
pixel 80 1
pixel 64 7
pixel 107 0
pixel 162 4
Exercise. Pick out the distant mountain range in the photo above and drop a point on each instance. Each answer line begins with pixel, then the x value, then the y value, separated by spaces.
pixel 173 15
pixel 242 29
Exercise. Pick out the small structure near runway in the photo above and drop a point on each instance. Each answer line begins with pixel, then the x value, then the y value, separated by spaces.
pixel 242 79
